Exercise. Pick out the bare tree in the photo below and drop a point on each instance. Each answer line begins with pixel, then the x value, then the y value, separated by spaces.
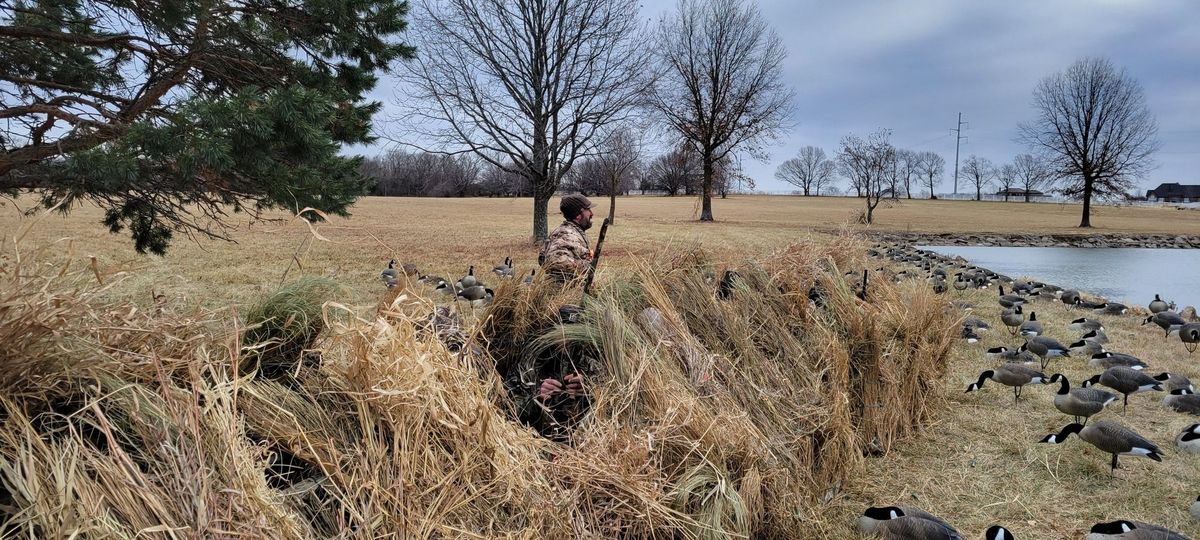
pixel 674 171
pixel 870 163
pixel 932 166
pixel 979 172
pixel 1095 129
pixel 1032 173
pixel 528 86
pixel 620 156
pixel 721 87
pixel 908 169
pixel 1006 177
pixel 809 170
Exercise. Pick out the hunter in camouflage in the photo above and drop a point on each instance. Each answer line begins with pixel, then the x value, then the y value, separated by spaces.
pixel 567 254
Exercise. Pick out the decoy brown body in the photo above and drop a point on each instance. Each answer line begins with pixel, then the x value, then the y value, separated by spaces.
pixel 1126 381
pixel 1079 402
pixel 905 523
pixel 1182 400
pixel 1123 529
pixel 1010 374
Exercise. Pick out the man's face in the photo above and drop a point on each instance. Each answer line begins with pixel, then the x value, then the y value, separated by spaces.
pixel 584 219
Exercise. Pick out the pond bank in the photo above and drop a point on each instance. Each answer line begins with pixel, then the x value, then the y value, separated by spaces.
pixel 1164 241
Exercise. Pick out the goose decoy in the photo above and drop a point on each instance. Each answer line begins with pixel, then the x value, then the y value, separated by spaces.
pixel 389 275
pixel 477 295
pixel 1085 348
pixel 939 286
pixel 1189 334
pixel 977 324
pixel 468 280
pixel 996 532
pixel 1169 321
pixel 529 278
pixel 1009 300
pixel 431 280
pixel 1012 318
pixel 1182 400
pixel 905 523
pixel 446 288
pixel 1109 437
pixel 410 269
pixel 1126 381
pixel 1112 308
pixel 1097 335
pixel 969 334
pixel 1032 327
pixel 1070 297
pixel 1173 381
pixel 1045 347
pixel 1109 359
pixel 1085 325
pixel 960 284
pixel 1010 374
pixel 1124 529
pixel 1188 440
pixel 1079 402
pixel 504 269
pixel 1194 509
pixel 1158 305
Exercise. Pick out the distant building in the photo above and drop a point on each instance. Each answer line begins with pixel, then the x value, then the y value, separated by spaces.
pixel 1174 192
pixel 1018 192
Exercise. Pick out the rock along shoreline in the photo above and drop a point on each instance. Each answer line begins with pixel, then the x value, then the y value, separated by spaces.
pixel 1162 241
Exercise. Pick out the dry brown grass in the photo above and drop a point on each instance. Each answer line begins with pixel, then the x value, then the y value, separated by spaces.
pixel 980 463
pixel 444 236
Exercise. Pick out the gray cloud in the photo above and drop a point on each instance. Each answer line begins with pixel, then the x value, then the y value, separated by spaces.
pixel 912 66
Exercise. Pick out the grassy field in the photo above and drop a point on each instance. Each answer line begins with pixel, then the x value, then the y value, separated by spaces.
pixel 977 465
pixel 445 236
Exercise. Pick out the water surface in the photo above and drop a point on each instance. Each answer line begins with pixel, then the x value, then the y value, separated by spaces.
pixel 1131 276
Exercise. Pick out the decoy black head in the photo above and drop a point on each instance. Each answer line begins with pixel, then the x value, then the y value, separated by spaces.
pixel 1102 355
pixel 996 532
pixel 884 512
pixel 1089 382
pixel 1066 431
pixel 1113 527
pixel 1148 320
pixel 1181 392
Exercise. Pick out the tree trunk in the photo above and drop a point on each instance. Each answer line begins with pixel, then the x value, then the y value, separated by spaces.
pixel 806 192
pixel 870 211
pixel 978 193
pixel 540 204
pixel 706 188
pixel 1027 195
pixel 1086 222
pixel 612 209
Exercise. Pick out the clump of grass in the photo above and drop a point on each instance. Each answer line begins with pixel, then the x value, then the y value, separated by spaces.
pixel 284 324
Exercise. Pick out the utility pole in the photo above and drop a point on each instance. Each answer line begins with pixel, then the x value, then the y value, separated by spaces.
pixel 958 139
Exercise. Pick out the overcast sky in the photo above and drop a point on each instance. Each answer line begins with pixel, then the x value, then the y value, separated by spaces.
pixel 913 65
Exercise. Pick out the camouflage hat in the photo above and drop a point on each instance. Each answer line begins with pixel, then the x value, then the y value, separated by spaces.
pixel 571 205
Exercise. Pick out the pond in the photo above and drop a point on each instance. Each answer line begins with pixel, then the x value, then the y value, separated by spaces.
pixel 1131 276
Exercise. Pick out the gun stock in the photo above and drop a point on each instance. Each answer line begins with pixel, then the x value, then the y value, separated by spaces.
pixel 587 285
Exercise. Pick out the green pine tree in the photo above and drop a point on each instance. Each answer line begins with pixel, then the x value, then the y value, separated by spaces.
pixel 170 114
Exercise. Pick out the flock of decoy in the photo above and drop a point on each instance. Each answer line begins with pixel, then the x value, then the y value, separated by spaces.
pixel 468 288
pixel 1026 364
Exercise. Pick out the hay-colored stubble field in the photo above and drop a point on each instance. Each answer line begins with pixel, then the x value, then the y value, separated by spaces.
pixel 978 464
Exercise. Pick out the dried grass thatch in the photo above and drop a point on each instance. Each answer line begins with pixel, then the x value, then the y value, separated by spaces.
pixel 712 418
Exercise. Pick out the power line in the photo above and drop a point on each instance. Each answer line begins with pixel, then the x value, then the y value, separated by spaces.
pixel 957 141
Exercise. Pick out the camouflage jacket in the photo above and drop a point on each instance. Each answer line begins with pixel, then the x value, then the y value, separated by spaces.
pixel 566 254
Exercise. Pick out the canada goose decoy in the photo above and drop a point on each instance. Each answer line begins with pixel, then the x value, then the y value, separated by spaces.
pixel 1173 381
pixel 1189 334
pixel 1169 321
pixel 1079 402
pixel 1012 318
pixel 1182 400
pixel 1085 348
pixel 996 532
pixel 1009 300
pixel 969 334
pixel 960 284
pixel 476 294
pixel 977 324
pixel 1112 308
pixel 1188 440
pixel 1032 327
pixel 1085 325
pixel 1107 359
pixel 939 286
pixel 1045 347
pixel 1194 509
pixel 389 275
pixel 503 269
pixel 410 269
pixel 1158 305
pixel 905 523
pixel 1123 529
pixel 1010 374
pixel 1109 437
pixel 1126 381
pixel 529 278
pixel 1097 335
pixel 1069 297
pixel 468 280
pixel 446 288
